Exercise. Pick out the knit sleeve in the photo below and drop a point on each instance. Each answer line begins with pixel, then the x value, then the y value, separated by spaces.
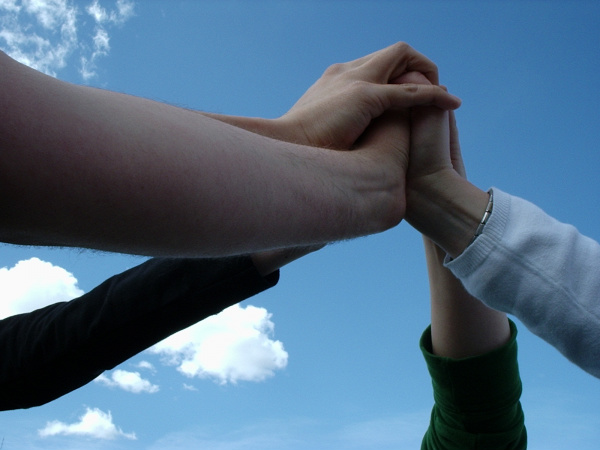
pixel 544 272
pixel 477 403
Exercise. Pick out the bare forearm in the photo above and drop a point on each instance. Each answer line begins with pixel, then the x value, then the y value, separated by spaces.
pixel 449 209
pixel 91 168
pixel 461 326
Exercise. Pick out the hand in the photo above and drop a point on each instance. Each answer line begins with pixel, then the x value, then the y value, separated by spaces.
pixel 441 204
pixel 376 170
pixel 339 107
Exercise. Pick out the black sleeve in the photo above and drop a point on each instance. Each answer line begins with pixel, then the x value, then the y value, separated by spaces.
pixel 57 349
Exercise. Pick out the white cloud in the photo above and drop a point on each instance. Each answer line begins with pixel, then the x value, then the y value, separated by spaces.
pixel 94 423
pixel 10 5
pixel 39 33
pixel 128 381
pixel 146 365
pixel 33 284
pixel 44 34
pixel 101 40
pixel 124 11
pixel 232 346
pixel 51 14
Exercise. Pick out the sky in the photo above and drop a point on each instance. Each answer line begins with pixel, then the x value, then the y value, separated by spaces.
pixel 329 358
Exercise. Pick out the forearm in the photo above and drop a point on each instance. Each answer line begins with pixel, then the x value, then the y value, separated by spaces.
pixel 91 168
pixel 461 326
pixel 52 351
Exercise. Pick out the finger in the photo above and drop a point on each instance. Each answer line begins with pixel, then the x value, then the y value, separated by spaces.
pixel 400 96
pixel 393 61
pixel 455 152
pixel 412 78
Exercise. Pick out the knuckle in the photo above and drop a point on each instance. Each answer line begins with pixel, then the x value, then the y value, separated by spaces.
pixel 370 96
pixel 411 88
pixel 335 69
pixel 401 47
pixel 358 87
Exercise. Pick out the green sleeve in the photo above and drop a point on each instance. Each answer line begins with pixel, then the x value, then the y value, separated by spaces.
pixel 477 403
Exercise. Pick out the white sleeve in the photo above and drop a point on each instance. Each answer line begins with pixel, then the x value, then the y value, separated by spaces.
pixel 543 272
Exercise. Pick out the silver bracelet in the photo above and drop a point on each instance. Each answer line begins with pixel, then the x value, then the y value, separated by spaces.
pixel 486 216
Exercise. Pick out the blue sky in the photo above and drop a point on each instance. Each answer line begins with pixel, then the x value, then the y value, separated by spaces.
pixel 342 369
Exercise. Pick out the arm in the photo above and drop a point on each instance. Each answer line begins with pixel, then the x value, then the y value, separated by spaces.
pixel 470 349
pixel 525 263
pixel 461 326
pixel 471 355
pixel 544 272
pixel 92 168
pixel 51 351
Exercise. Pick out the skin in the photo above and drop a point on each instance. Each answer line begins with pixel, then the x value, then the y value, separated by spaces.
pixel 441 203
pixel 89 168
pixel 315 119
pixel 461 326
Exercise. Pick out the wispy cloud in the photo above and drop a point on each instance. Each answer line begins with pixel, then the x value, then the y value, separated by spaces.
pixel 128 381
pixel 123 12
pixel 101 42
pixel 44 34
pixel 232 346
pixel 146 366
pixel 33 284
pixel 94 423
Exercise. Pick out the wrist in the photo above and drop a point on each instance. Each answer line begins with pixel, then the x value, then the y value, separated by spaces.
pixel 446 208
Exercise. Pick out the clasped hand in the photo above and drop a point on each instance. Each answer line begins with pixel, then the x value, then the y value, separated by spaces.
pixel 365 106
